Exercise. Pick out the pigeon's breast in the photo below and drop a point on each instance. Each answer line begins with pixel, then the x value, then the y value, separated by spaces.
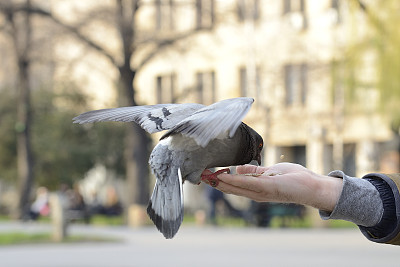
pixel 179 142
pixel 183 152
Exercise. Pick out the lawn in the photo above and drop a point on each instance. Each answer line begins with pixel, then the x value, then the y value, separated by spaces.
pixel 15 238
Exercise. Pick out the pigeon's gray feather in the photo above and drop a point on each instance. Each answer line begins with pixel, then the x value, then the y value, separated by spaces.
pixel 214 120
pixel 152 118
pixel 165 207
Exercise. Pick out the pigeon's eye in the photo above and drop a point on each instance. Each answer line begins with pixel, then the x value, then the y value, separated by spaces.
pixel 260 145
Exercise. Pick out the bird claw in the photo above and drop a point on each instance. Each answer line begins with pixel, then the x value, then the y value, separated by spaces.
pixel 212 178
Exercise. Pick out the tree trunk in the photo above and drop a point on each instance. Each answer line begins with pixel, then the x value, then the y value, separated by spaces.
pixel 24 152
pixel 137 171
pixel 137 146
pixel 21 34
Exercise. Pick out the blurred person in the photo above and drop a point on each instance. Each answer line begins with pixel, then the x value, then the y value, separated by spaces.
pixel 76 201
pixel 94 204
pixel 77 204
pixel 214 197
pixel 62 193
pixel 372 202
pixel 262 213
pixel 112 205
pixel 40 207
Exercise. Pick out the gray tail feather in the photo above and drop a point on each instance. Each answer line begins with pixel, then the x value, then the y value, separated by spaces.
pixel 168 224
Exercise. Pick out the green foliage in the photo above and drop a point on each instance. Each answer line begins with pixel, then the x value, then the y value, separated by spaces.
pixel 341 224
pixel 23 238
pixel 378 48
pixel 63 151
pixel 387 45
pixel 107 220
pixel 15 238
pixel 108 144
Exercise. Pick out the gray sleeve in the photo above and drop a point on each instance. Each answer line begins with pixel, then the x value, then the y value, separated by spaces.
pixel 359 202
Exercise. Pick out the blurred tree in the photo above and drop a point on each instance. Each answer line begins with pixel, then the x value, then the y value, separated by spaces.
pixel 138 47
pixel 18 26
pixel 8 140
pixel 63 152
pixel 381 42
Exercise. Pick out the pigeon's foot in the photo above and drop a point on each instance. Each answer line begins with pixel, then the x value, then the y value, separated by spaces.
pixel 212 178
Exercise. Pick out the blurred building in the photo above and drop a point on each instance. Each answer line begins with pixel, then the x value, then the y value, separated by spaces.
pixel 287 55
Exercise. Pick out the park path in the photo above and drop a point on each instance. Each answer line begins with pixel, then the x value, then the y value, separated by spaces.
pixel 202 246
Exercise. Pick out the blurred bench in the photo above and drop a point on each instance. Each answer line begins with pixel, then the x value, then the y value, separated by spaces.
pixel 263 213
pixel 76 215
pixel 61 217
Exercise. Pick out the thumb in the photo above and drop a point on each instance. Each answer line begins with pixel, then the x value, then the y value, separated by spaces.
pixel 243 169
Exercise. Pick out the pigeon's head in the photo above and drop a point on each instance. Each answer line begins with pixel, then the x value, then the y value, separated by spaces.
pixel 258 145
pixel 255 145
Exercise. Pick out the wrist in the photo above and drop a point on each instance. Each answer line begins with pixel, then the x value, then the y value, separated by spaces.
pixel 359 202
pixel 325 192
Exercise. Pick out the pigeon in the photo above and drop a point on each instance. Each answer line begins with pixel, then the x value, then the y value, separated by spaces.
pixel 198 137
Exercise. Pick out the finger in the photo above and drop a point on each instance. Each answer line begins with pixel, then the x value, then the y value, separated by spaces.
pixel 246 182
pixel 243 169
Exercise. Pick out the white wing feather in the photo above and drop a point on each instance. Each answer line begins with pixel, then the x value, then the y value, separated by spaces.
pixel 211 121
pixel 152 118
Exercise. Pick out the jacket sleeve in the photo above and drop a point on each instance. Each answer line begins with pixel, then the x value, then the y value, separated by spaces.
pixel 388 229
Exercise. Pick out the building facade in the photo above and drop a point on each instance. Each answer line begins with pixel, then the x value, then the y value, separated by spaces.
pixel 284 54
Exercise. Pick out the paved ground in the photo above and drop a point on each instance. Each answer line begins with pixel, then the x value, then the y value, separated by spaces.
pixel 206 246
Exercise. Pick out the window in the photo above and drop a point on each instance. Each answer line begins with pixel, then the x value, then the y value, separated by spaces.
pixel 296 84
pixel 243 82
pixel 164 15
pixel 335 12
pixel 345 160
pixel 293 6
pixel 205 85
pixel 248 10
pixel 250 84
pixel 296 12
pixel 338 80
pixel 335 4
pixel 165 88
pixel 349 159
pixel 295 154
pixel 204 14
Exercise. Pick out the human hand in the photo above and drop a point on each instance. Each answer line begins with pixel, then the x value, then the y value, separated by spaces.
pixel 283 182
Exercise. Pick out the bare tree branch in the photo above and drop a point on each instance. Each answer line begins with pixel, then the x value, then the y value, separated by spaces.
pixel 125 22
pixel 371 16
pixel 3 26
pixel 101 14
pixel 72 29
pixel 162 44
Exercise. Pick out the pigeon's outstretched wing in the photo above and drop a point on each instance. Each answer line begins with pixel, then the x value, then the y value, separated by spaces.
pixel 152 118
pixel 211 121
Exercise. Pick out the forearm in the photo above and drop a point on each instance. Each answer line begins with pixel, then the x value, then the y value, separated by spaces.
pixel 372 202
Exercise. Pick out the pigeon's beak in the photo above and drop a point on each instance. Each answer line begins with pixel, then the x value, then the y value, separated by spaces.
pixel 259 159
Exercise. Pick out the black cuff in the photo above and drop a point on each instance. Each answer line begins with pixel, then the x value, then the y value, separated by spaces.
pixel 388 222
